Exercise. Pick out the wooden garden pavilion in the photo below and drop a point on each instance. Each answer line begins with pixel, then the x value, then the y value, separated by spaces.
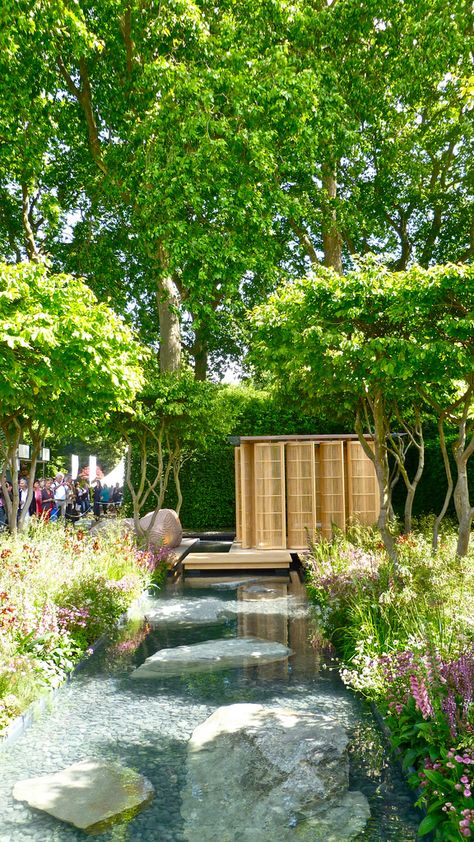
pixel 289 486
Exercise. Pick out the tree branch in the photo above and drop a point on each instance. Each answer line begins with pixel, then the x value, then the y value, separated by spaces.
pixel 31 249
pixel 84 98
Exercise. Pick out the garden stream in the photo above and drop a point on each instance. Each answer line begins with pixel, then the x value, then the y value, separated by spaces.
pixel 102 713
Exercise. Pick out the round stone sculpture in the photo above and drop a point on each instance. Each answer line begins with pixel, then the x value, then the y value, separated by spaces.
pixel 166 530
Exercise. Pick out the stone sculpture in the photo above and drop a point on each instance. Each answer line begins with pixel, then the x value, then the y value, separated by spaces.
pixel 166 530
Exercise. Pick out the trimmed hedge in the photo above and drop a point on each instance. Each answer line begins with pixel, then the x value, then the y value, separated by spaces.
pixel 208 480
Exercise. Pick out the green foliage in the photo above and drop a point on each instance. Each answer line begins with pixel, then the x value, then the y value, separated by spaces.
pixel 195 140
pixel 67 362
pixel 59 591
pixel 208 487
pixel 407 641
pixel 66 358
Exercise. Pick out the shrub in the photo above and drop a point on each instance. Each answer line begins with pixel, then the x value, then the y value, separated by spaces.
pixel 59 591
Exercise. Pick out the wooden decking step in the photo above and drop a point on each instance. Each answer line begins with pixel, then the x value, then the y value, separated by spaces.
pixel 244 560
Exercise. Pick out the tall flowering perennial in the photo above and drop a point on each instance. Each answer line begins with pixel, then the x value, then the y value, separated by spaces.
pixel 458 705
pixel 421 697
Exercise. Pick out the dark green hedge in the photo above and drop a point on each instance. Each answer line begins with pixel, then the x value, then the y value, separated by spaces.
pixel 208 489
pixel 208 481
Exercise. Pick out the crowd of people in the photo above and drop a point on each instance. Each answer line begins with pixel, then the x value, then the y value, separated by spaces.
pixel 64 498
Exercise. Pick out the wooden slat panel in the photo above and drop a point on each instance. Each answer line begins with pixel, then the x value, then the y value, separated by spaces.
pixel 331 486
pixel 247 501
pixel 300 492
pixel 363 495
pixel 270 513
pixel 238 495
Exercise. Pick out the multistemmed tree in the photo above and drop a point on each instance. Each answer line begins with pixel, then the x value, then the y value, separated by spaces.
pixel 67 362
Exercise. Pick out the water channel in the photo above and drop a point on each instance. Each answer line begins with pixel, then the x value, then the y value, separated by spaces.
pixel 102 713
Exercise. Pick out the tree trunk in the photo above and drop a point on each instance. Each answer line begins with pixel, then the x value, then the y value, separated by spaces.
pixel 464 510
pixel 201 355
pixel 379 457
pixel 449 490
pixel 170 328
pixel 36 445
pixel 177 484
pixel 332 240
pixel 413 485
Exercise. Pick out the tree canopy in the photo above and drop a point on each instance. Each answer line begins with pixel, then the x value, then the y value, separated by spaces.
pixel 195 153
pixel 381 346
pixel 67 360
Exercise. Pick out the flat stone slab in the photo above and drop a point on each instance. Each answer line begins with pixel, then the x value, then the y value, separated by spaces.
pixel 257 773
pixel 233 584
pixel 87 794
pixel 195 611
pixel 212 655
pixel 285 606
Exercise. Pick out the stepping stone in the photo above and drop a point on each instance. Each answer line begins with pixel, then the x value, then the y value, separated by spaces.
pixel 87 794
pixel 285 606
pixel 257 773
pixel 184 612
pixel 212 655
pixel 233 584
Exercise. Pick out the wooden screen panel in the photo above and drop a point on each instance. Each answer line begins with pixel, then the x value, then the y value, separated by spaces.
pixel 331 486
pixel 300 493
pixel 270 514
pixel 247 499
pixel 363 494
pixel 238 495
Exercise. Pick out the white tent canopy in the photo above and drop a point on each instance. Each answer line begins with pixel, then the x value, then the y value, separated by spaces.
pixel 116 475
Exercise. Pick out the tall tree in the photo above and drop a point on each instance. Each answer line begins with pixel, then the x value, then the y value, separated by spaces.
pixel 207 148
pixel 67 361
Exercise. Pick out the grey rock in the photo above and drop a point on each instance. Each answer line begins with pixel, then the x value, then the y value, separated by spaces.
pixel 259 603
pixel 87 794
pixel 191 611
pixel 211 655
pixel 232 584
pixel 258 773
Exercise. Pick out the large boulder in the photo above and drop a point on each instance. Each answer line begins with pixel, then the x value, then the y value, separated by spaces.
pixel 166 530
pixel 218 654
pixel 256 773
pixel 87 794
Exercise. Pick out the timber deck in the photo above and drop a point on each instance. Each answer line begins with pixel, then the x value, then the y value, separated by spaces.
pixel 254 560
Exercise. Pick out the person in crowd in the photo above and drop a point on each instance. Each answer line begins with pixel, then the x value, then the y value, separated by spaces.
pixel 60 495
pixel 117 495
pixel 36 505
pixel 83 493
pixel 23 494
pixel 47 499
pixel 105 498
pixel 3 508
pixel 97 486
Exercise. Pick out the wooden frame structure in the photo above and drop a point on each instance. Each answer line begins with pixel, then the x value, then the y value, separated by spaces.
pixel 289 486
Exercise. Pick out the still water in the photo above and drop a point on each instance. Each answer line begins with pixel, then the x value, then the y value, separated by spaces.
pixel 104 714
